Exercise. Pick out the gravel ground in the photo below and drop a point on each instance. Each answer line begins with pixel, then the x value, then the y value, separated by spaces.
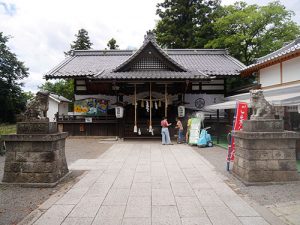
pixel 264 195
pixel 17 202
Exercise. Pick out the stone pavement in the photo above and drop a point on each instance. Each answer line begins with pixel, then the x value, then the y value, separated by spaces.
pixel 143 183
pixel 288 212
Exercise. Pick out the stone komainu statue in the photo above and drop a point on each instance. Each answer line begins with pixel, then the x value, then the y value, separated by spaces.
pixel 262 109
pixel 38 107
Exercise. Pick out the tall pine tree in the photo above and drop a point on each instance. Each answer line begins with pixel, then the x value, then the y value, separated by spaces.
pixel 186 23
pixel 82 42
pixel 112 44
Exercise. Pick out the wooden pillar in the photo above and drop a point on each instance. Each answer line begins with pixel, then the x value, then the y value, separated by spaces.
pixel 166 100
pixel 150 106
pixel 135 106
pixel 218 126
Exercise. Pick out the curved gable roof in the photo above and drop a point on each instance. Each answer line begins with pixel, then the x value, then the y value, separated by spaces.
pixel 150 48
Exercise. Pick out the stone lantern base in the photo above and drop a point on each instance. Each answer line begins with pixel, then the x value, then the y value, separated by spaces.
pixel 35 159
pixel 265 152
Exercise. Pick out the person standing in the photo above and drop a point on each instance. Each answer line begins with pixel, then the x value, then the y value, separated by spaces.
pixel 180 130
pixel 165 135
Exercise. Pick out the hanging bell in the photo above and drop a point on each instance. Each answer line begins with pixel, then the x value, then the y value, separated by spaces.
pixel 139 132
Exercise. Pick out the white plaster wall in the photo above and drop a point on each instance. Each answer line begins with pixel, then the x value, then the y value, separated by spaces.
pixel 291 70
pixel 63 108
pixel 209 99
pixel 270 76
pixel 53 109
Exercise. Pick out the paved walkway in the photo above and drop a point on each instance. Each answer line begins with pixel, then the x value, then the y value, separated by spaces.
pixel 143 183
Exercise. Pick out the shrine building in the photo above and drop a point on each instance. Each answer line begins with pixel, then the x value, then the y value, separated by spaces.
pixel 125 93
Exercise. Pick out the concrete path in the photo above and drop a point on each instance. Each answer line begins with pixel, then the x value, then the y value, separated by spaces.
pixel 143 183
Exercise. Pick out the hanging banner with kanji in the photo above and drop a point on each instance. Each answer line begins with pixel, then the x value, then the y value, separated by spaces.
pixel 241 113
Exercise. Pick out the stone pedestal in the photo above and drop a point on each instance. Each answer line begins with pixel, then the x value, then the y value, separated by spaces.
pixel 35 159
pixel 38 127
pixel 265 152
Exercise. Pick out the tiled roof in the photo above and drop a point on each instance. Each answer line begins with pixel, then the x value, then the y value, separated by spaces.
pixel 193 64
pixel 59 98
pixel 286 50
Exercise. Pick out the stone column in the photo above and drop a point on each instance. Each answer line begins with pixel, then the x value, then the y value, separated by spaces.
pixel 35 156
pixel 265 152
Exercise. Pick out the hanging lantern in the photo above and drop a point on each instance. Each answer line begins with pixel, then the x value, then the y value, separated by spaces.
pixel 119 110
pixel 181 111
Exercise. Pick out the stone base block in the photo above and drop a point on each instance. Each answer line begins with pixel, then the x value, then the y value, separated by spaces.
pixel 270 125
pixel 38 127
pixel 263 156
pixel 35 158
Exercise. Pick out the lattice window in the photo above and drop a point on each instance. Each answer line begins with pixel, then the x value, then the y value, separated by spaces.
pixel 149 63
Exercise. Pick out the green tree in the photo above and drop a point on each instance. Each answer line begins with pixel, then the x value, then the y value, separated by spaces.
pixel 186 23
pixel 12 70
pixel 112 44
pixel 82 42
pixel 252 31
pixel 64 88
pixel 28 95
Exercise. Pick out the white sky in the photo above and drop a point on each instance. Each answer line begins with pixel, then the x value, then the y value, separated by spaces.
pixel 42 30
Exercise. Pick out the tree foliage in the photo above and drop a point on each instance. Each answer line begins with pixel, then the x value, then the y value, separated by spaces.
pixel 112 44
pixel 12 98
pixel 186 23
pixel 64 88
pixel 252 31
pixel 82 42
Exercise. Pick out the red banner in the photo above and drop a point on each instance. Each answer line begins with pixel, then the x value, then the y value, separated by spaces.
pixel 241 114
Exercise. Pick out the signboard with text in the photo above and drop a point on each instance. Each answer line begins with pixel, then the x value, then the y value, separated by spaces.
pixel 194 131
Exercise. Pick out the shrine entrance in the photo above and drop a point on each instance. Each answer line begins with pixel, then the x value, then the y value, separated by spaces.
pixel 149 103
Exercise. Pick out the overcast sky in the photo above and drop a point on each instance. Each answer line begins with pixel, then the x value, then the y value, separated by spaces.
pixel 42 30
